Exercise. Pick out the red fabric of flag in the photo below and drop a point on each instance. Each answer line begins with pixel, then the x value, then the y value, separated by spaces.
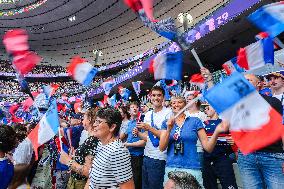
pixel 25 62
pixel 16 40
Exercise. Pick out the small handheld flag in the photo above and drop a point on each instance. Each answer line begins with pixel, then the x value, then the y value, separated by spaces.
pixel 124 92
pixel 81 71
pixel 254 123
pixel 168 66
pixel 136 86
pixel 46 129
pixel 269 18
pixel 256 55
pixel 107 85
pixel 16 43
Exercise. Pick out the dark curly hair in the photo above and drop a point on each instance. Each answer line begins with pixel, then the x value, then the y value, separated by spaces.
pixel 91 115
pixel 8 138
pixel 183 180
pixel 21 132
pixel 124 109
pixel 112 116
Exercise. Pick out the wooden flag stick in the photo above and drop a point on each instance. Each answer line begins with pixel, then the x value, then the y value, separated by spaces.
pixel 197 58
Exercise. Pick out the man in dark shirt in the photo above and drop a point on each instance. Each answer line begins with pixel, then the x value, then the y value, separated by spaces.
pixel 217 164
pixel 265 166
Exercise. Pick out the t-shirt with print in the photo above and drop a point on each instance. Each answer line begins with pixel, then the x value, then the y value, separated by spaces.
pixel 189 136
pixel 222 146
pixel 111 166
pixel 134 151
pixel 158 118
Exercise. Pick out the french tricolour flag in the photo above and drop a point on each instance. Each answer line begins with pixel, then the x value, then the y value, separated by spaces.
pixel 136 86
pixel 46 129
pixel 81 71
pixel 168 66
pixel 50 90
pixel 107 85
pixel 124 92
pixel 256 55
pixel 232 66
pixel 254 124
pixel 270 18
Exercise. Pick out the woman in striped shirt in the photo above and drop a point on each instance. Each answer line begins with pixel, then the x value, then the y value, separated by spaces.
pixel 111 166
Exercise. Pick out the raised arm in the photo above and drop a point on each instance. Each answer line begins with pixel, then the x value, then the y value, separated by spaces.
pixel 165 135
pixel 209 145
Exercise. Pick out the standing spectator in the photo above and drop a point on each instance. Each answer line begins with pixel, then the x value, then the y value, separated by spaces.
pixel 154 161
pixel 217 164
pixel 179 136
pixel 194 111
pixel 111 166
pixel 276 81
pixel 125 120
pixel 135 146
pixel 8 142
pixel 263 168
pixel 81 162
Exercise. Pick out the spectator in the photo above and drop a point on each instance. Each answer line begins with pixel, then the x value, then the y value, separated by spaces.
pixel 276 81
pixel 218 163
pixel 8 142
pixel 154 161
pixel 181 180
pixel 125 120
pixel 80 164
pixel 179 136
pixel 135 146
pixel 111 166
pixel 263 168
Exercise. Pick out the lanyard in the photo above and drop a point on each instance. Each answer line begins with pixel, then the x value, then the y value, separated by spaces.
pixel 153 138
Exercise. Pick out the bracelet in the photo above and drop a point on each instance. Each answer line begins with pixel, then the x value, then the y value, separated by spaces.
pixel 70 163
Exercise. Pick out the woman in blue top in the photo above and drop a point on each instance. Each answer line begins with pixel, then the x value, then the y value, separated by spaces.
pixel 180 136
pixel 8 142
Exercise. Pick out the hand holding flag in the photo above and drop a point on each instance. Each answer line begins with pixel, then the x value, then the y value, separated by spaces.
pixel 46 129
pixel 254 124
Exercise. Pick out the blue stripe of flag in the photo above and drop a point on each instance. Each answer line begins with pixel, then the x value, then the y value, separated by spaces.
pixel 266 22
pixel 90 77
pixel 226 94
pixel 268 50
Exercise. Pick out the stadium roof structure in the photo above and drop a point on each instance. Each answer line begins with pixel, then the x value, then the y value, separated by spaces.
pixel 60 29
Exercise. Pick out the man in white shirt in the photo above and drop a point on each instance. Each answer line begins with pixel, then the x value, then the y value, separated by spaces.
pixel 154 161
pixel 276 81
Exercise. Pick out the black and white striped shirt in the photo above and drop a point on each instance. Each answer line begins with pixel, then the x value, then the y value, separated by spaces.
pixel 111 166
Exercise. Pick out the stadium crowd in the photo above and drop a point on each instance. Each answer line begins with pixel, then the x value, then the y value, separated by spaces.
pixel 143 146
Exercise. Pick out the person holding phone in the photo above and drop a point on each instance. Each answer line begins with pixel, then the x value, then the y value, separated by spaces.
pixel 154 161
pixel 135 145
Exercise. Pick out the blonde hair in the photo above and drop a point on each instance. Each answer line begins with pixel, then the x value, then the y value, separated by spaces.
pixel 179 98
